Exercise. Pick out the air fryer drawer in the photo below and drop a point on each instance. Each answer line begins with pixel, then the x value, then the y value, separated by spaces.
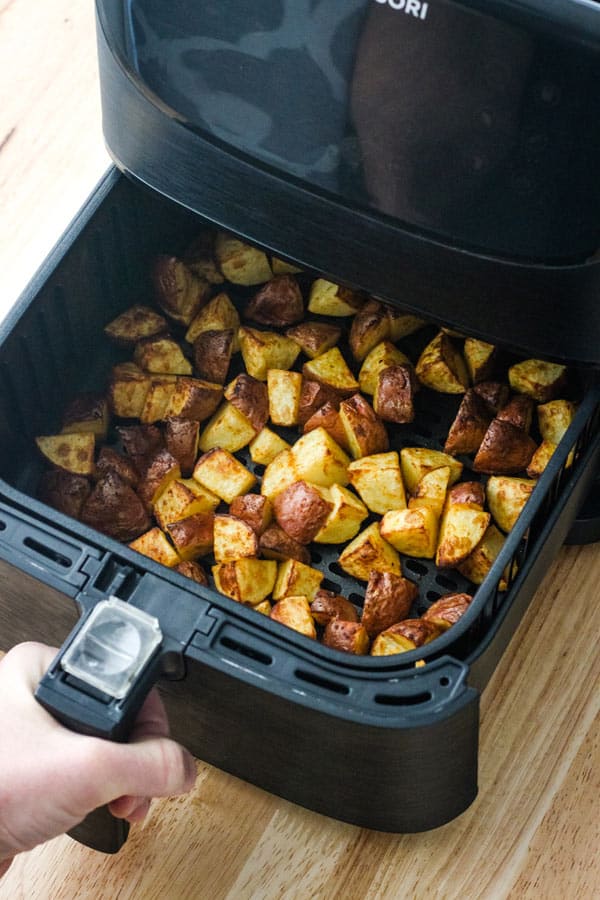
pixel 245 693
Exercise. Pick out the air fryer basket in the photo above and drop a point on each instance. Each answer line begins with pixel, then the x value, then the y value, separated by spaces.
pixel 247 694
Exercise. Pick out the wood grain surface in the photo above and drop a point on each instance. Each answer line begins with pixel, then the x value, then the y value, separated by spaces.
pixel 534 830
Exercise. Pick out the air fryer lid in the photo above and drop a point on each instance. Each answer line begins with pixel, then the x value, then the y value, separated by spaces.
pixel 460 134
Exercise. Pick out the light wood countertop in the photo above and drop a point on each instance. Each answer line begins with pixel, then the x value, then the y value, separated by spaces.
pixel 534 830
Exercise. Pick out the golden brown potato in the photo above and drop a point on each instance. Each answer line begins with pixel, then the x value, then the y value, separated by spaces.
pixel 411 531
pixel 540 459
pixel 64 491
pixel 264 607
pixel 179 292
pixel 233 539
pixel 282 267
pixel 222 474
pixel 365 432
pixel 313 397
pixel 181 498
pixel 194 535
pixel 381 357
pixel 264 350
pixel 418 461
pixel 294 611
pixel 404 636
pixel 329 299
pixel 331 370
pixel 328 606
pixel 266 446
pixel 295 578
pixel 344 520
pixel 254 509
pixel 349 637
pixel 505 450
pixel 140 442
pixel 367 552
pixel 480 358
pixel 431 491
pixel 274 543
pixel 461 529
pixel 554 418
pixel 200 258
pixel 115 509
pixel 192 399
pixel 246 580
pixel 280 472
pixel 162 389
pixel 219 314
pixel 378 480
pixel 479 562
pixel 506 498
pixel 87 412
pixel 543 381
pixel 370 326
pixel 319 460
pixel 155 544
pixel 394 395
pixel 189 568
pixel 402 323
pixel 446 611
pixel 388 599
pixel 110 460
pixel 518 411
pixel 315 338
pixel 161 355
pixel 279 302
pixel 239 262
pixel 494 393
pixel 284 389
pixel 161 470
pixel 441 367
pixel 229 429
pixel 127 391
pixel 71 452
pixel 301 510
pixel 470 425
pixel 328 417
pixel 181 440
pixel 467 493
pixel 212 353
pixel 134 324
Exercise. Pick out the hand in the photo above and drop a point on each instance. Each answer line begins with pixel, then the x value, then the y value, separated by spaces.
pixel 51 778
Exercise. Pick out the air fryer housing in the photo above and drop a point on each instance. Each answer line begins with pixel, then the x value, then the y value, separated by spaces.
pixel 449 148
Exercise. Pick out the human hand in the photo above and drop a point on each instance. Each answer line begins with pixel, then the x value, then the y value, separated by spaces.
pixel 51 778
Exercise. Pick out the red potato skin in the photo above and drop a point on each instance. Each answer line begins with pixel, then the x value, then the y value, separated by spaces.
pixel 109 460
pixel 312 397
pixel 470 425
pixel 467 493
pixel 328 417
pixel 212 355
pixel 505 450
pixel 349 637
pixel 279 302
pixel 276 544
pixel 388 600
pixel 518 411
pixel 328 606
pixel 494 393
pixel 115 509
pixel 193 570
pixel 64 491
pixel 446 611
pixel 251 398
pixel 254 509
pixel 396 390
pixel 140 442
pixel 181 439
pixel 301 511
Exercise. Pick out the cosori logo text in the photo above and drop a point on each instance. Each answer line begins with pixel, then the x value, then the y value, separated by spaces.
pixel 411 7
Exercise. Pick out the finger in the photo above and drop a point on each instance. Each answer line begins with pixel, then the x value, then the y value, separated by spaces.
pixel 124 806
pixel 152 719
pixel 150 767
pixel 29 662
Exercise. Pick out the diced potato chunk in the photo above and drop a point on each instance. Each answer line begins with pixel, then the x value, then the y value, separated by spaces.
pixel 329 299
pixel 128 390
pixel 295 578
pixel 369 551
pixel 332 370
pixel 219 314
pixel 461 529
pixel 71 452
pixel 418 461
pixel 183 497
pixel 284 396
pixel 319 460
pixel 295 613
pixel 228 428
pixel 381 357
pixel 281 267
pixel 480 358
pixel 344 520
pixel 246 580
pixel 315 338
pixel 233 539
pixel 266 446
pixel 441 367
pixel 411 531
pixel 193 536
pixel 155 544
pixel 239 262
pixel 554 418
pixel 135 324
pixel 431 490
pixel 538 379
pixel 279 474
pixel 506 498
pixel 479 562
pixel 158 398
pixel 161 355
pixel 540 459
pixel 378 480
pixel 222 474
pixel 264 350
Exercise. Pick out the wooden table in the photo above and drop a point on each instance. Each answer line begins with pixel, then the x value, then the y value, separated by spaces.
pixel 534 830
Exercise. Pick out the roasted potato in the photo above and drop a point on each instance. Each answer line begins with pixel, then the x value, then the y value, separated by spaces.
pixel 233 539
pixel 431 491
pixel 128 390
pixel 280 472
pixel 540 459
pixel 158 399
pixel 264 350
pixel 71 452
pixel 313 397
pixel 411 531
pixel 191 569
pixel 284 390
pixel 110 460
pixel 466 493
pixel 394 395
pixel 415 462
pixel 554 418
pixel 494 393
pixel 506 498
pixel 240 263
pixel 344 519
pixel 115 509
pixel 294 578
pixel 480 358
pixel 327 606
pixel 279 302
pixel 378 480
pixel 161 470
pixel 275 543
pixel 155 544
pixel 266 446
pixel 404 636
pixel 518 411
pixel 246 580
pixel 64 491
pixel 402 323
pixel 194 535
pixel 328 417
pixel 191 399
pixel 140 443
pixel 229 429
pixel 441 367
pixel 461 528
pixel 329 299
pixel 319 460
pixel 178 291
pixel 364 431
pixel 370 326
pixel 161 356
pixel 470 425
pixel 388 599
pixel 367 552
pixel 181 498
pixel 251 398
pixel 222 474
pixel 254 509
pixel 282 267
pixel 505 450
pixel 200 258
pixel 315 338
pixel 294 611
pixel 381 357
pixel 181 440
pixel 330 369
pixel 543 381
pixel 219 314
pixel 479 562
pixel 349 637
pixel 87 412
pixel 135 324
pixel 212 353
pixel 446 611
pixel 301 509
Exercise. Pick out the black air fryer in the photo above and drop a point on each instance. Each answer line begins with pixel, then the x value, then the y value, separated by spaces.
pixel 439 155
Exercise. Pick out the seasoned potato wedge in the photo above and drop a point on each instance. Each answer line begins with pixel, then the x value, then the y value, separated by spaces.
pixel 64 491
pixel 554 418
pixel 229 429
pixel 193 536
pixel 192 399
pixel 219 314
pixel 87 412
pixel 158 399
pixel 540 459
pixel 128 390
pixel 280 472
pixel 115 509
pixel 140 443
pixel 212 353
pixel 466 493
pixel 505 449
pixel 200 258
pixel 494 393
pixel 404 636
pixel 135 324
pixel 264 350
pixel 274 543
pixel 181 498
pixel 441 367
pixel 178 291
pixel 191 569
pixel 294 611
pixel 301 509
pixel 266 446
pixel 506 498
pixel 161 356
pixel 349 637
pixel 367 552
pixel 381 357
pixel 344 519
pixel 365 433
pixel 254 509
pixel 222 474
pixel 402 323
pixel 282 267
pixel 279 302
pixel 155 544
pixel 313 397
pixel 417 461
pixel 110 460
pixel 461 529
pixel 388 599
pixel 250 397
pixel 284 389
pixel 331 370
pixel 479 562
pixel 71 452
pixel 315 338
pixel 370 326
pixel 239 262
pixel 394 395
pixel 319 460
pixel 327 606
pixel 411 531
pixel 329 299
pixel 233 539
pixel 246 580
pixel 470 425
pixel 181 440
pixel 446 611
pixel 518 411
pixel 294 578
pixel 161 470
pixel 480 358
pixel 543 381
pixel 328 417
pixel 431 490
pixel 378 480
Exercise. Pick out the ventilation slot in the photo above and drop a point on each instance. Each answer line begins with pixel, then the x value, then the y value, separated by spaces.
pixel 2 525
pixel 399 700
pixel 245 650
pixel 319 681
pixel 446 582
pixel 48 552
pixel 416 567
